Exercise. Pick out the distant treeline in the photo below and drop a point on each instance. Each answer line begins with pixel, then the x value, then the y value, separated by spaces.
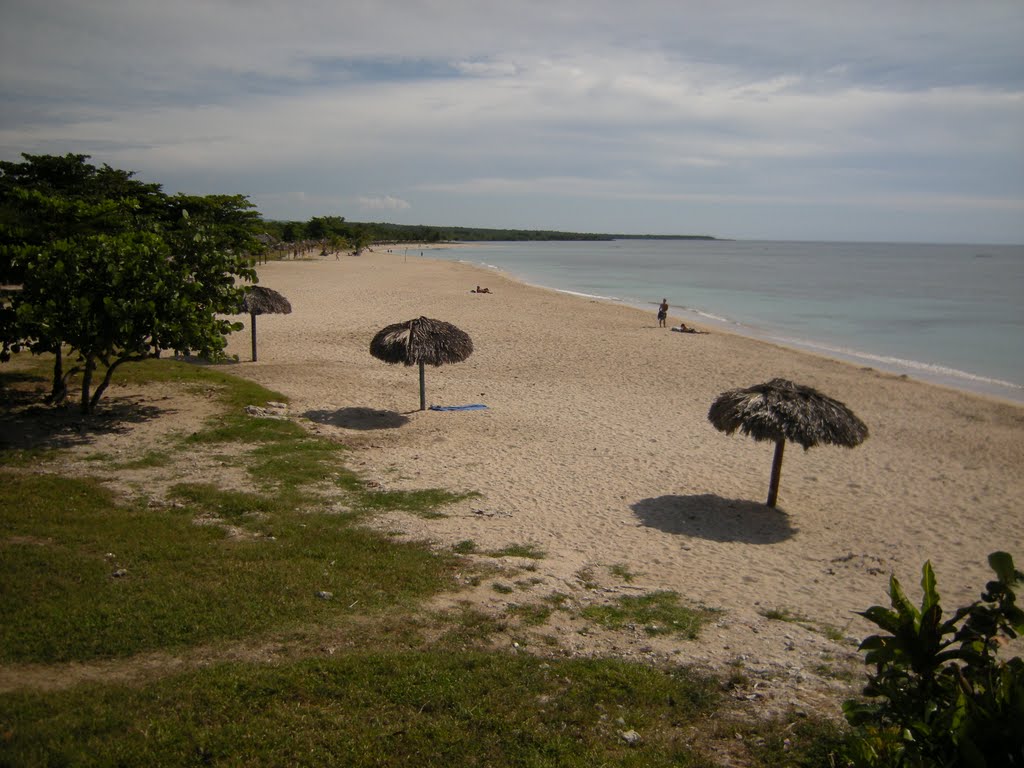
pixel 364 233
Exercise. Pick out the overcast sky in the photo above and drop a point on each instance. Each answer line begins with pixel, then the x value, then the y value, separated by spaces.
pixel 894 120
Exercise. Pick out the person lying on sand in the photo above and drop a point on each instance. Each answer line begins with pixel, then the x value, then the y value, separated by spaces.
pixel 481 290
pixel 684 328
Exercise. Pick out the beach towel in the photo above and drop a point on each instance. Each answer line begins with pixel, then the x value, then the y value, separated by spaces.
pixel 473 407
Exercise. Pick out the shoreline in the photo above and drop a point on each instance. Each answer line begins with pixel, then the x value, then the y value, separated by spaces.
pixel 920 370
pixel 596 450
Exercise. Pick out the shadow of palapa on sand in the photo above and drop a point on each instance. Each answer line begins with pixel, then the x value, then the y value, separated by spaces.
pixel 714 518
pixel 358 418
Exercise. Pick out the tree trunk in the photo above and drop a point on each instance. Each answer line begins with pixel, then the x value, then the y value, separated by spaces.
pixel 253 326
pixel 423 388
pixel 59 390
pixel 90 364
pixel 107 379
pixel 773 485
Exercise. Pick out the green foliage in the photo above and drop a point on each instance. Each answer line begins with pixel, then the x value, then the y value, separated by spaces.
pixel 326 228
pixel 942 696
pixel 323 227
pixel 113 269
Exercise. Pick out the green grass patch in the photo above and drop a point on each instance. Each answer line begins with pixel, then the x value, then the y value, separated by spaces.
pixel 98 457
pixel 238 427
pixel 24 368
pixel 519 550
pixel 782 614
pixel 423 502
pixel 794 740
pixel 586 577
pixel 529 583
pixel 236 506
pixel 233 392
pixel 386 709
pixel 531 614
pixel 833 633
pixel 291 463
pixel 468 627
pixel 622 572
pixel 657 613
pixel 465 547
pixel 27 457
pixel 184 584
pixel 149 460
pixel 558 600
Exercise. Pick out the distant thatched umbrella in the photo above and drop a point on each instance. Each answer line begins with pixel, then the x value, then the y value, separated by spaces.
pixel 424 342
pixel 780 410
pixel 263 301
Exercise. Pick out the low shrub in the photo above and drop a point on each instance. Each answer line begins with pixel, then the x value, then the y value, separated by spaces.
pixel 940 694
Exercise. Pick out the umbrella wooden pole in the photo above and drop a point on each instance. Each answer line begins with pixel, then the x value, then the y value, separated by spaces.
pixel 253 326
pixel 773 485
pixel 423 388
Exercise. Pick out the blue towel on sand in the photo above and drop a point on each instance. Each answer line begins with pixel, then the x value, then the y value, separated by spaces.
pixel 474 407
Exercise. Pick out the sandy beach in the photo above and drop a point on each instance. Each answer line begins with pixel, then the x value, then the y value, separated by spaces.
pixel 596 448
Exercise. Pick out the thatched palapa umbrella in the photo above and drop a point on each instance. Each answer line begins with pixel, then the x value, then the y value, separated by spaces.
pixel 780 410
pixel 421 341
pixel 263 301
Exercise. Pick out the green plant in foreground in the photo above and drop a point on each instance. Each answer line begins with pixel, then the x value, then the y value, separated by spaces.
pixel 942 696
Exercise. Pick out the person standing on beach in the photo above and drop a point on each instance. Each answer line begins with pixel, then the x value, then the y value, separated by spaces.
pixel 662 313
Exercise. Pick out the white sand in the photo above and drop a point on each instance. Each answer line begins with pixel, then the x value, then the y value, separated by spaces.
pixel 596 448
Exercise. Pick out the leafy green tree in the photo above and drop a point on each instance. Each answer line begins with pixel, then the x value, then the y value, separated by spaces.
pixel 114 269
pixel 292 231
pixel 47 199
pixel 227 222
pixel 322 227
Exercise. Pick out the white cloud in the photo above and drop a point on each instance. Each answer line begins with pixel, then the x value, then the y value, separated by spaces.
pixel 384 203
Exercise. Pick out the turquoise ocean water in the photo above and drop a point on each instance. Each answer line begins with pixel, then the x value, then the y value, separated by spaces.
pixel 950 314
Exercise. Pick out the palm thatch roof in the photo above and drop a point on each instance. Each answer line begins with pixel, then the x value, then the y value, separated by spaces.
pixel 781 410
pixel 421 341
pixel 265 301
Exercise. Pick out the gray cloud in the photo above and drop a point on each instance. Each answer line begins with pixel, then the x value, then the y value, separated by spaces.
pixel 730 117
